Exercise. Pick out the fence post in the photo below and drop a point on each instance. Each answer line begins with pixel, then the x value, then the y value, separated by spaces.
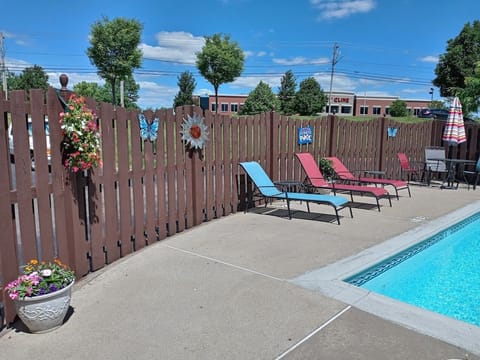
pixel 72 236
pixel 8 259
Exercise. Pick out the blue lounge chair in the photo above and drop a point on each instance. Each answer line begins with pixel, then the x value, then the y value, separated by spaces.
pixel 268 190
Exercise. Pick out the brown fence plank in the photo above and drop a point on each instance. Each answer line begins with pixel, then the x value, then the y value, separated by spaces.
pixel 9 262
pixel 181 160
pixel 209 169
pixel 160 175
pixel 43 210
pixel 171 175
pixel 148 184
pixel 123 184
pixel 23 164
pixel 217 143
pixel 234 163
pixel 227 162
pixel 110 202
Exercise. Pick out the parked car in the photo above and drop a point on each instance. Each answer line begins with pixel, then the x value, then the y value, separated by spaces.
pixel 441 114
pixel 30 141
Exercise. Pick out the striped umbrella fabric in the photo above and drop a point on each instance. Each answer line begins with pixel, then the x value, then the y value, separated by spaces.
pixel 454 132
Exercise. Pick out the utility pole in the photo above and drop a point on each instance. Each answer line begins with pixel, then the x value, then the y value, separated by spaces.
pixel 122 102
pixel 4 71
pixel 334 62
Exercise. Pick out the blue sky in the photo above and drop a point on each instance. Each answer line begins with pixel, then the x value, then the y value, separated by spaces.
pixel 385 47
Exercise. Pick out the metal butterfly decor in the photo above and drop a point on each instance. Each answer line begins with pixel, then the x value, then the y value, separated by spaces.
pixel 392 131
pixel 148 131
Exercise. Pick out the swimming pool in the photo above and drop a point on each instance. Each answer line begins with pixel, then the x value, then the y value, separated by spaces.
pixel 330 281
pixel 440 274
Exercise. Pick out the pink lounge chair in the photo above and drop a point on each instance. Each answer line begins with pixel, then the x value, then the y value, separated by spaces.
pixel 344 174
pixel 315 179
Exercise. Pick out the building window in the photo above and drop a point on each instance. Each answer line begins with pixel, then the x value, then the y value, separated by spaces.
pixel 346 109
pixel 214 107
pixel 333 110
pixel 363 110
pixel 234 107
pixel 387 110
pixel 377 110
pixel 416 111
pixel 224 107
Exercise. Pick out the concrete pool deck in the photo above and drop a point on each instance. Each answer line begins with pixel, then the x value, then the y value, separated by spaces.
pixel 236 288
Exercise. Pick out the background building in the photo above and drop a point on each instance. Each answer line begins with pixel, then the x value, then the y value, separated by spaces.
pixel 341 103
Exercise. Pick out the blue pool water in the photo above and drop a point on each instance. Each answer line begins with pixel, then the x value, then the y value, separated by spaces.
pixel 441 274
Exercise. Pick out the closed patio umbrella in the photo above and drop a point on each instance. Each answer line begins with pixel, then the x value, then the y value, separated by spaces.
pixel 454 132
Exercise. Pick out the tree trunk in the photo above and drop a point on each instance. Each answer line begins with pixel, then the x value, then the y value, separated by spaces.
pixel 114 102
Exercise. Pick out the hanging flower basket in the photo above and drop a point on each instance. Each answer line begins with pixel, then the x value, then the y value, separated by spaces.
pixel 81 136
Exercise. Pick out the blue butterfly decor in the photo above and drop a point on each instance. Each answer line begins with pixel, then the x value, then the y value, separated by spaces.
pixel 148 131
pixel 391 131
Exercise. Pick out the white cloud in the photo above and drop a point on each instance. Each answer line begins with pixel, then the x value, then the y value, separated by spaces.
pixel 250 82
pixel 179 47
pixel 73 79
pixel 430 59
pixel 338 9
pixel 340 82
pixel 15 65
pixel 153 95
pixel 300 60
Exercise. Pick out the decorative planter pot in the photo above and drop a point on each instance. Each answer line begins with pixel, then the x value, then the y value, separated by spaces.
pixel 45 312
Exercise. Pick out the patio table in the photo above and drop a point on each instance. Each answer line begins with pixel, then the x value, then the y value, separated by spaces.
pixel 451 171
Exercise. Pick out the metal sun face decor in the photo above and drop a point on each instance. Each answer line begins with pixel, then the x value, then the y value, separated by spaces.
pixel 194 131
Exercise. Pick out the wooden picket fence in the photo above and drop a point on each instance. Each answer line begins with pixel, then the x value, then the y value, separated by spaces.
pixel 147 191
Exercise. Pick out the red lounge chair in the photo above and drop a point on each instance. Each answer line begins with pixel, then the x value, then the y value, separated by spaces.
pixel 406 168
pixel 344 174
pixel 315 179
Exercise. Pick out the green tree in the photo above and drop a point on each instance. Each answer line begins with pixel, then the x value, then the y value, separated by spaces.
pixel 310 98
pixel 220 61
pixel 186 84
pixel 398 108
pixel 437 104
pixel 114 50
pixel 130 89
pixel 459 61
pixel 286 93
pixel 33 77
pixel 13 81
pixel 104 93
pixel 470 95
pixel 92 90
pixel 261 99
